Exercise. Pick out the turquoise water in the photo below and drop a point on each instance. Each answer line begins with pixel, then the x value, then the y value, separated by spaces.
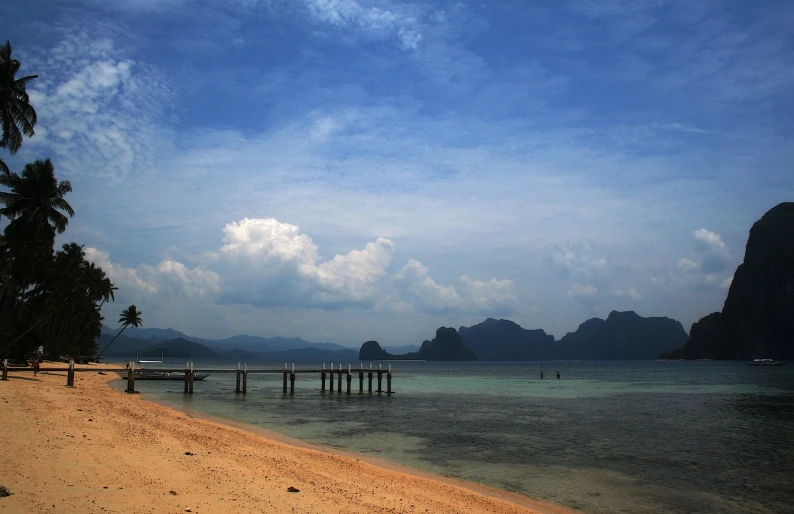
pixel 651 437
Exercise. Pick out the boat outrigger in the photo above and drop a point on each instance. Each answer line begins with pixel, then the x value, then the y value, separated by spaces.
pixel 153 374
pixel 138 359
pixel 765 362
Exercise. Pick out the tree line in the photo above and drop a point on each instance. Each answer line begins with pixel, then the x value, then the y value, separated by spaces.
pixel 48 297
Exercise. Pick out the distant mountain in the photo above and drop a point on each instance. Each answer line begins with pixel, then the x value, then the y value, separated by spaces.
pixel 160 334
pixel 446 346
pixel 504 340
pixel 622 336
pixel 178 347
pixel 257 344
pixel 371 351
pixel 757 319
pixel 245 343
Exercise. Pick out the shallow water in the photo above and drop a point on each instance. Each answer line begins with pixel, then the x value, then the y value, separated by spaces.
pixel 607 437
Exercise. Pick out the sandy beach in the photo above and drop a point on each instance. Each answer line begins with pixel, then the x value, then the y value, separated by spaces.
pixel 93 449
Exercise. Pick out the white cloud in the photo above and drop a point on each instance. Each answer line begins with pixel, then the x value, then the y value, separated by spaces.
pixel 709 238
pixel 414 283
pixel 96 106
pixel 582 260
pixel 267 253
pixel 372 21
pixel 169 278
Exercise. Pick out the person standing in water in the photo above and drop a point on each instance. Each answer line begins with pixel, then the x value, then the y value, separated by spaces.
pixel 558 375
pixel 541 374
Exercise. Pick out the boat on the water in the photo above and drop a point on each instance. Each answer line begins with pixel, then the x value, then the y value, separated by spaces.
pixel 765 362
pixel 151 374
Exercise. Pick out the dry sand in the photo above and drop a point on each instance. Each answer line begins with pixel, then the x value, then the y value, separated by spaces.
pixel 93 449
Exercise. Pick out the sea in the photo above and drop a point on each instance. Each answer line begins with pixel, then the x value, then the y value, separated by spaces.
pixel 607 436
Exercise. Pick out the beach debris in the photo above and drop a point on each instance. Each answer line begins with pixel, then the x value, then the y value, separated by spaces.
pixel 90 419
pixel 291 489
pixel 172 492
pixel 102 373
pixel 79 410
pixel 188 510
pixel 4 492
pixel 189 453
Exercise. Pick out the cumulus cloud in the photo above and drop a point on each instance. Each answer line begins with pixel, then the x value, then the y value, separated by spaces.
pixel 414 283
pixel 371 21
pixel 704 268
pixel 581 261
pixel 170 278
pixel 273 262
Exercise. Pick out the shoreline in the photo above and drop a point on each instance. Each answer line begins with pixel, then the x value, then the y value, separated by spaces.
pixel 147 451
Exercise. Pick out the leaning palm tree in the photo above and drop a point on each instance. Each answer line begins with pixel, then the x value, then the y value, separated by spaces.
pixel 17 116
pixel 129 316
pixel 34 203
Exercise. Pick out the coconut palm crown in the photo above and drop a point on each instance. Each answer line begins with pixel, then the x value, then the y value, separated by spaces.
pixel 17 116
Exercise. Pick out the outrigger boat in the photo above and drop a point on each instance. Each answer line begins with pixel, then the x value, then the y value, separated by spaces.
pixel 765 362
pixel 153 374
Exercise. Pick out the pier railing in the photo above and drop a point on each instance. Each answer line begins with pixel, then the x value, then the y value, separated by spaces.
pixel 241 383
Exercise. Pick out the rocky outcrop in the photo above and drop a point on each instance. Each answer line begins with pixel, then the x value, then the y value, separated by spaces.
pixel 504 340
pixel 757 319
pixel 446 346
pixel 623 335
pixel 371 351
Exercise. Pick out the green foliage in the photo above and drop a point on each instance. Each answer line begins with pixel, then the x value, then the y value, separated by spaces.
pixel 47 298
pixel 17 116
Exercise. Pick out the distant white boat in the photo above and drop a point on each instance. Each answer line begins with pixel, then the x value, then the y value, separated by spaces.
pixel 138 359
pixel 765 362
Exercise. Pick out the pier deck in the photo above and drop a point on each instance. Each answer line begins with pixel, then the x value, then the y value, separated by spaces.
pixel 241 372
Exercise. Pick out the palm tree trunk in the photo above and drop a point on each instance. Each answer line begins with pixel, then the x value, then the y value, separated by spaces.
pixel 110 343
pixel 26 332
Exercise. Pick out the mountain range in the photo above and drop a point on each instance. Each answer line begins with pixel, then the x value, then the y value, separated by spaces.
pixel 623 335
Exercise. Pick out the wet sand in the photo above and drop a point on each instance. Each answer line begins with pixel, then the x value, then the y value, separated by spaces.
pixel 93 449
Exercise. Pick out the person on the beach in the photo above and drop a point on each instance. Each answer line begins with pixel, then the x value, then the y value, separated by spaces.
pixel 35 367
pixel 541 374
pixel 558 375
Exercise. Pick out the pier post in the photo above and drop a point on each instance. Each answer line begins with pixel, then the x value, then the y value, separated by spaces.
pixel 292 381
pixel 285 380
pixel 322 378
pixel 190 379
pixel 131 378
pixel 237 381
pixel 70 374
pixel 388 381
pixel 331 379
pixel 369 380
pixel 360 382
pixel 339 379
pixel 349 380
pixel 245 378
pixel 380 381
pixel 5 369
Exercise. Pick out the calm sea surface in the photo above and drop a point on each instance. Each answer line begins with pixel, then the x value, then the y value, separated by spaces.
pixel 606 437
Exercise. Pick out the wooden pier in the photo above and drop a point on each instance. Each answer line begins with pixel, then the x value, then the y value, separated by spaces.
pixel 241 372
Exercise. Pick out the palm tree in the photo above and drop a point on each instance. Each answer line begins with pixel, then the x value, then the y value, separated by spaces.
pixel 129 316
pixel 34 204
pixel 17 116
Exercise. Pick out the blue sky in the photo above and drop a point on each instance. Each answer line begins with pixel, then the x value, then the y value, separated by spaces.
pixel 346 170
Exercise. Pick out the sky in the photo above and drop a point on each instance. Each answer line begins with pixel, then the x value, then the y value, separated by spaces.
pixel 349 170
